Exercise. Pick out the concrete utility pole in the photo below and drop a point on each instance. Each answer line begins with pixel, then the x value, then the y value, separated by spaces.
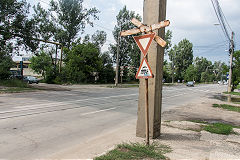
pixel 117 61
pixel 231 61
pixel 154 12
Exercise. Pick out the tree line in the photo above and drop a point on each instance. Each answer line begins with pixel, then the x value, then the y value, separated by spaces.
pixel 83 61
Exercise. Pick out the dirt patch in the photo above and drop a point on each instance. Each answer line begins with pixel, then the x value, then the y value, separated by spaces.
pixel 188 142
pixel 203 111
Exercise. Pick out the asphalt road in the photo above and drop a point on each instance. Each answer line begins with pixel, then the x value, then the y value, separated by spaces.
pixel 36 125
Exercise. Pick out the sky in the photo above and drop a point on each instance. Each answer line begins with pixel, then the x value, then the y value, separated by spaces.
pixel 190 19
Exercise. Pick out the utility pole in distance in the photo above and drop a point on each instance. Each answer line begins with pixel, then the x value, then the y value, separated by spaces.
pixel 117 61
pixel 231 61
pixel 154 12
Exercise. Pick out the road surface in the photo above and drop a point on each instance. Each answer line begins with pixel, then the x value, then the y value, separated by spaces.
pixel 36 125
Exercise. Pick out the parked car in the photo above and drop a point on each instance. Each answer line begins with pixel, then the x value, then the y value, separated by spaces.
pixel 30 79
pixel 190 84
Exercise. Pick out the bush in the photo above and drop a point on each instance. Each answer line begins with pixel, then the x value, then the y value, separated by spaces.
pixel 13 83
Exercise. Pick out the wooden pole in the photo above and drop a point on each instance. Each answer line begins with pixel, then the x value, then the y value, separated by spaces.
pixel 231 62
pixel 146 112
pixel 60 64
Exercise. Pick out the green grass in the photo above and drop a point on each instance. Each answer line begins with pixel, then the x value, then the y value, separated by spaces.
pixel 233 93
pixel 16 90
pixel 14 86
pixel 219 128
pixel 227 107
pixel 136 151
pixel 13 83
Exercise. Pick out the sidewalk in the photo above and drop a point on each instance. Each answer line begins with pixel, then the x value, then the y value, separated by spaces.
pixel 181 135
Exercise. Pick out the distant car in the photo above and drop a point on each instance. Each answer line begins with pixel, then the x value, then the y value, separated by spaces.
pixel 190 84
pixel 30 79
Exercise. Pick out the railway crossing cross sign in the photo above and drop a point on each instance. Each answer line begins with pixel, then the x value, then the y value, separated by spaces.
pixel 144 42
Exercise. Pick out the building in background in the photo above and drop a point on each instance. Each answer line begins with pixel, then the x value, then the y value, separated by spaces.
pixel 27 71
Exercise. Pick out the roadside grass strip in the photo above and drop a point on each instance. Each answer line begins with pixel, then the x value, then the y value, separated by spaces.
pixel 135 151
pixel 15 86
pixel 219 128
pixel 216 128
pixel 14 83
pixel 227 107
pixel 233 93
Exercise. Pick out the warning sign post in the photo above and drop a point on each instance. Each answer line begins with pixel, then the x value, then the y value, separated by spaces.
pixel 144 42
pixel 145 72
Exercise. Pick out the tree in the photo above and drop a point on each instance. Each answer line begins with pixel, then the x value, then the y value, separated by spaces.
pixel 106 73
pixel 80 63
pixel 182 56
pixel 168 38
pixel 71 18
pixel 15 27
pixel 202 65
pixel 236 69
pixel 129 53
pixel 219 70
pixel 42 64
pixel 191 74
pixel 5 65
pixel 99 38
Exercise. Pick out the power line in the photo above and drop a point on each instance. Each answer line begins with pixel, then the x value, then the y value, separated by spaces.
pixel 221 18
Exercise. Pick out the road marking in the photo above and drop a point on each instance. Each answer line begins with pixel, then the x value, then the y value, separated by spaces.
pixel 70 102
pixel 103 110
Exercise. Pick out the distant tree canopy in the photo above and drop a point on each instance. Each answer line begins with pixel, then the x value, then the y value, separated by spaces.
pixel 81 62
pixel 236 69
pixel 5 65
pixel 15 27
pixel 129 53
pixel 182 57
pixel 64 20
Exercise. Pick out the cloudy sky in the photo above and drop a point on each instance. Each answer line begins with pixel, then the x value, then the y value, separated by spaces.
pixel 191 19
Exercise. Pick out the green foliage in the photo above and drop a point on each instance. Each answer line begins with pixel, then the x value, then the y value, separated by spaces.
pixel 191 74
pixel 236 69
pixel 5 65
pixel 14 24
pixel 72 17
pixel 168 38
pixel 219 128
pixel 136 151
pixel 14 83
pixel 227 107
pixel 106 73
pixel 129 53
pixel 42 64
pixel 182 57
pixel 80 63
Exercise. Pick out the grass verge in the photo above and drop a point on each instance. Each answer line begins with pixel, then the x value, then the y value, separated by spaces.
pixel 13 83
pixel 227 107
pixel 233 93
pixel 217 128
pixel 14 86
pixel 135 151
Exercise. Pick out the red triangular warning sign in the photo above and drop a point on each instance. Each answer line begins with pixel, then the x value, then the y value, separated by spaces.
pixel 144 42
pixel 144 70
